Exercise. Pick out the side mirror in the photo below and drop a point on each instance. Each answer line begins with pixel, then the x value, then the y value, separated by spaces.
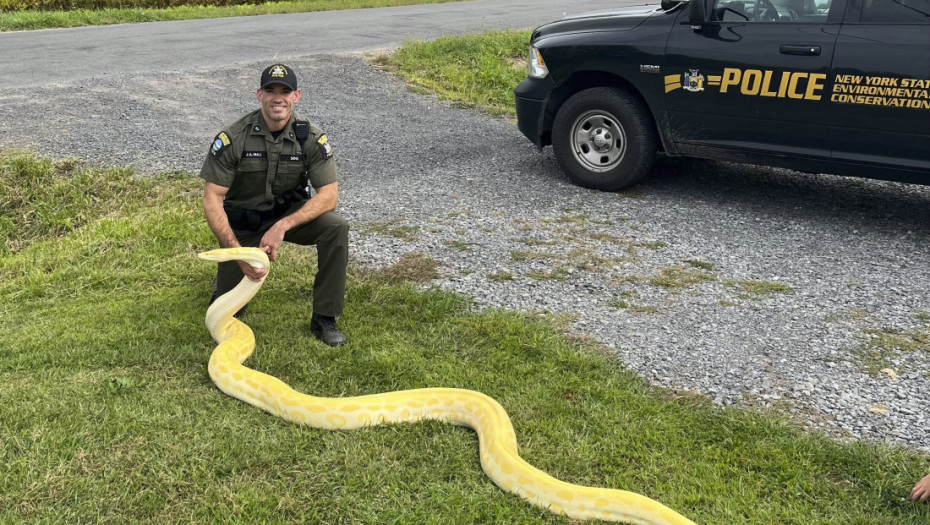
pixel 697 14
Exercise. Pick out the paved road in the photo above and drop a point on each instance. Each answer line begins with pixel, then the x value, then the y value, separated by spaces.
pixel 58 55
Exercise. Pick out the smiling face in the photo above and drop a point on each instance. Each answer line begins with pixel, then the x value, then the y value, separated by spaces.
pixel 277 105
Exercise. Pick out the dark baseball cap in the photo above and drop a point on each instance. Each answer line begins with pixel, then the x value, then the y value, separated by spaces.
pixel 279 74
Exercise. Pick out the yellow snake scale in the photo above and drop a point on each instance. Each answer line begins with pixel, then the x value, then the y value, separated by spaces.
pixel 496 438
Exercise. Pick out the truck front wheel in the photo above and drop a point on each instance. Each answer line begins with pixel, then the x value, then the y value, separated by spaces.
pixel 603 138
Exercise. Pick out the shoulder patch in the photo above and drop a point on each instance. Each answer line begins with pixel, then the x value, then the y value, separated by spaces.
pixel 327 150
pixel 219 143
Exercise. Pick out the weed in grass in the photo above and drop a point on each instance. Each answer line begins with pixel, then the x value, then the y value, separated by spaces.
pixel 650 245
pixel 605 237
pixel 700 265
pixel 536 242
pixel 461 246
pixel 632 245
pixel 420 90
pixel 763 288
pixel 578 219
pixel 677 277
pixel 526 255
pixel 872 361
pixel 622 303
pixel 855 314
pixel 414 267
pixel 518 63
pixel 628 279
pixel 500 277
pixel 883 346
pixel 585 259
pixel 899 340
pixel 405 233
pixel 557 274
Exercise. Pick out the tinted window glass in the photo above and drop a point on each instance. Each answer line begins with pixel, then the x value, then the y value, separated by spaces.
pixel 896 11
pixel 797 11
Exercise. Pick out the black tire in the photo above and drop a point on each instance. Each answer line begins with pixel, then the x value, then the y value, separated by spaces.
pixel 604 138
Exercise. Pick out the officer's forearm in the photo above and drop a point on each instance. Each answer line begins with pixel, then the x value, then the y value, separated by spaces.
pixel 218 222
pixel 326 200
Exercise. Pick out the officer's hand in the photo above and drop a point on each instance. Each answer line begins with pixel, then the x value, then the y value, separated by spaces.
pixel 271 240
pixel 253 273
pixel 921 491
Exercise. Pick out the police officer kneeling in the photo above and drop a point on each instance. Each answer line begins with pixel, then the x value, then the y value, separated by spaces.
pixel 258 172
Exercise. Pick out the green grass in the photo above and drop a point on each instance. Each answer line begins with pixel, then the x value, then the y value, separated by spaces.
pixel 27 20
pixel 109 416
pixel 478 71
pixel 882 346
pixel 406 233
pixel 763 288
pixel 677 277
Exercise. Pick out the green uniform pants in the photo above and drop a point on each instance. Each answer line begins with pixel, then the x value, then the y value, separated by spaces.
pixel 330 233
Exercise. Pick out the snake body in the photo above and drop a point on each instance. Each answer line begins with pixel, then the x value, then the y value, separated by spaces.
pixel 496 436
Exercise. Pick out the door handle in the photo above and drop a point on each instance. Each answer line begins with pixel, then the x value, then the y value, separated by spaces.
pixel 788 49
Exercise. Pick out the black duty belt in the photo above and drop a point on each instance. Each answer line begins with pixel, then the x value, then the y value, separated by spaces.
pixel 253 220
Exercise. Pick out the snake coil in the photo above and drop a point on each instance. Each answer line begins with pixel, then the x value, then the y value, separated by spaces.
pixel 496 437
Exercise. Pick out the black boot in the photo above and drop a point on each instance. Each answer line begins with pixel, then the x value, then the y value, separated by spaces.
pixel 324 328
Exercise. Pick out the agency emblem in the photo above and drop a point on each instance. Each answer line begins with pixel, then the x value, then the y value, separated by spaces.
pixel 325 147
pixel 219 143
pixel 693 81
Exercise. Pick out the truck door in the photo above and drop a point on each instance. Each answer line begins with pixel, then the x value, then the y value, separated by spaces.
pixel 753 78
pixel 881 84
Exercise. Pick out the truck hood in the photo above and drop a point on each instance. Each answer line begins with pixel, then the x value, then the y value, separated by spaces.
pixel 619 19
pixel 620 12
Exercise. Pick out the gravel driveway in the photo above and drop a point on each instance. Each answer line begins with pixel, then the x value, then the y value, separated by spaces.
pixel 754 286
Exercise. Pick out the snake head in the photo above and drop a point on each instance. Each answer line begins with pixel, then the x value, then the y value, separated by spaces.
pixel 253 256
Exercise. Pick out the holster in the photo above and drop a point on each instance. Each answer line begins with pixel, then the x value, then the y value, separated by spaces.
pixel 253 220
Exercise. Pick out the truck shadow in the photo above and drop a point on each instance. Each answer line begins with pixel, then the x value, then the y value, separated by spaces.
pixel 776 191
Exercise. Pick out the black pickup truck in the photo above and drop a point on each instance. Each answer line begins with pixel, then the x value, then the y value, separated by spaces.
pixel 823 86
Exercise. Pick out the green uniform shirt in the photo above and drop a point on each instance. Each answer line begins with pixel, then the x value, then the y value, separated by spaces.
pixel 256 167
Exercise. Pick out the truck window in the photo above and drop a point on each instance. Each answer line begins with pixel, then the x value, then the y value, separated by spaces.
pixel 895 12
pixel 791 11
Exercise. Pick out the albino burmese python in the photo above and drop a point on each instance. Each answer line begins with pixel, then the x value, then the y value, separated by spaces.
pixel 496 438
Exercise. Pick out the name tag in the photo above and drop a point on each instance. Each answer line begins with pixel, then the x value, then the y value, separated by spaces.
pixel 253 154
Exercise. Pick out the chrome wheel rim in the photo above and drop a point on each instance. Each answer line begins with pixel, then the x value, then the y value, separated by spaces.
pixel 598 141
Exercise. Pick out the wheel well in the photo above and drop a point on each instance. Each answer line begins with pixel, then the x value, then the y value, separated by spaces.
pixel 579 82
